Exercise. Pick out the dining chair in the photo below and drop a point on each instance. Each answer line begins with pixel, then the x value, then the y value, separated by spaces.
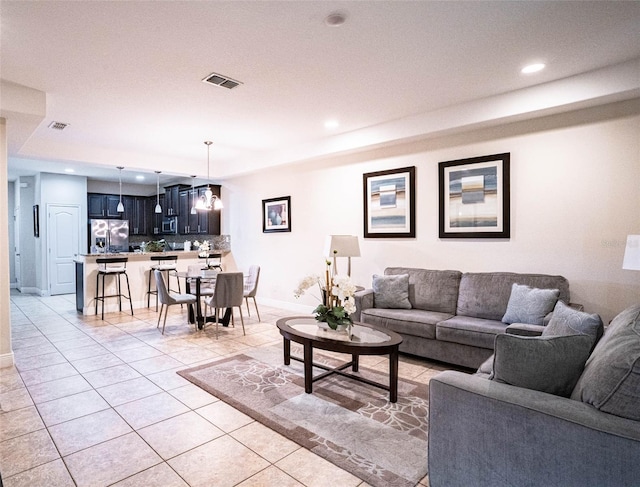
pixel 228 293
pixel 168 299
pixel 251 287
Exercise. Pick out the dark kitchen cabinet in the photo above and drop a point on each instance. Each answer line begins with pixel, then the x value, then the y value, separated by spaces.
pixel 103 205
pixel 155 219
pixel 137 210
pixel 172 200
pixel 203 222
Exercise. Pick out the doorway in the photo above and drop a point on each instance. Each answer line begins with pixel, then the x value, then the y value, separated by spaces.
pixel 63 245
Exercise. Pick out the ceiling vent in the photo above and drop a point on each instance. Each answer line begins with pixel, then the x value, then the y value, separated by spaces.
pixel 219 80
pixel 58 125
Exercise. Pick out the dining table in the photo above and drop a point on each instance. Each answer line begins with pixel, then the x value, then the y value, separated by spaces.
pixel 198 280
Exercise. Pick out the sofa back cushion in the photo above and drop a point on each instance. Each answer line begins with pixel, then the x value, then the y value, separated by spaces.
pixel 431 290
pixel 486 294
pixel 611 378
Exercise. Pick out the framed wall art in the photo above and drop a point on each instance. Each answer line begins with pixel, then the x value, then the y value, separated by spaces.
pixel 474 197
pixel 276 215
pixel 390 203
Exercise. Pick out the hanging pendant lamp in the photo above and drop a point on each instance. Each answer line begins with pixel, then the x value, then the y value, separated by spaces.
pixel 120 208
pixel 158 207
pixel 209 200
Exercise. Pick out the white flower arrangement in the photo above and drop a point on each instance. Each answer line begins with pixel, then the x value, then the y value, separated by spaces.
pixel 338 301
pixel 203 248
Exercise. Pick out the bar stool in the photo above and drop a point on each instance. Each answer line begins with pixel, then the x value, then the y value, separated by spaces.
pixel 112 266
pixel 166 264
pixel 216 264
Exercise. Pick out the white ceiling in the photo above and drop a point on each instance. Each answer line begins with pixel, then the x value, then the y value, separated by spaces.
pixel 126 76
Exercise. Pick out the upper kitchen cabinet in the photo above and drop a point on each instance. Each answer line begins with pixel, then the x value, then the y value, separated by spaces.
pixel 136 210
pixel 172 199
pixel 203 222
pixel 155 219
pixel 103 205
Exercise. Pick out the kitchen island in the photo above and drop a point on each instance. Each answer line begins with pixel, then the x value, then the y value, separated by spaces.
pixel 138 272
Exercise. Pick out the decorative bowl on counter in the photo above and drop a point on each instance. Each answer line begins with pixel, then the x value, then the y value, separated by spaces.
pixel 154 246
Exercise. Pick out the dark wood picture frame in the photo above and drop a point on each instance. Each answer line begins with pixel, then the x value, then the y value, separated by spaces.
pixel 276 215
pixel 390 203
pixel 475 197
pixel 36 221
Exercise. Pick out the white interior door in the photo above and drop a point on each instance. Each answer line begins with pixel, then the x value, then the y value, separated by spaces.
pixel 63 237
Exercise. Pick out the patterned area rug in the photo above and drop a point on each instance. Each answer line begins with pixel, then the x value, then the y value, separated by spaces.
pixel 351 424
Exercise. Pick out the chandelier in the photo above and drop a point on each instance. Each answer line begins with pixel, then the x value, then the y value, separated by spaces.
pixel 208 200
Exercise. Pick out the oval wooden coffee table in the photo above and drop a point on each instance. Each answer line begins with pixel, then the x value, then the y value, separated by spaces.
pixel 364 340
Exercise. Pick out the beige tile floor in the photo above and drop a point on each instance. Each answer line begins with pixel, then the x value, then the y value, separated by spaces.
pixel 98 403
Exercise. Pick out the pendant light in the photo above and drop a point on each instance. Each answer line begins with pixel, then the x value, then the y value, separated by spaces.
pixel 120 208
pixel 158 207
pixel 193 196
pixel 209 200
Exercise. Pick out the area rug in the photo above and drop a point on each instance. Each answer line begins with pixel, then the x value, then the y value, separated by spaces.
pixel 351 424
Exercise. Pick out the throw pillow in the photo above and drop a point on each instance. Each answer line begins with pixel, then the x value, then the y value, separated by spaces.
pixel 611 378
pixel 549 364
pixel 568 321
pixel 391 291
pixel 529 305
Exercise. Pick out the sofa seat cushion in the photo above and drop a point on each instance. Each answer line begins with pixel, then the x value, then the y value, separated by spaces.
pixel 475 332
pixel 414 322
pixel 611 378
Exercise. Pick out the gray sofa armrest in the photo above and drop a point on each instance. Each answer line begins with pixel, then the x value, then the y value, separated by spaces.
pixel 524 329
pixel 364 300
pixel 485 433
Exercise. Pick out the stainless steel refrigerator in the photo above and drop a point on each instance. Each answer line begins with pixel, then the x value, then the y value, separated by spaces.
pixel 109 236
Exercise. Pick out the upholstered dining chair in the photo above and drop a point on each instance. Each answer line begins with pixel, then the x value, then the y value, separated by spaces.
pixel 251 286
pixel 168 299
pixel 228 293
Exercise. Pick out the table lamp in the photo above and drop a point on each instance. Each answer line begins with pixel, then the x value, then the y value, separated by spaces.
pixel 341 246
pixel 632 253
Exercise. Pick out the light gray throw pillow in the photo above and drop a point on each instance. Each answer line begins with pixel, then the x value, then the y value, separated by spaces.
pixel 391 291
pixel 611 378
pixel 551 364
pixel 529 305
pixel 568 321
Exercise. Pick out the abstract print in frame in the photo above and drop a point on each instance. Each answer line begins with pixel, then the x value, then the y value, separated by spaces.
pixel 390 203
pixel 276 215
pixel 474 197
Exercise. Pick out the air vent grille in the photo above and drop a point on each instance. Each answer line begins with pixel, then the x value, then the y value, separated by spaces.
pixel 220 80
pixel 58 125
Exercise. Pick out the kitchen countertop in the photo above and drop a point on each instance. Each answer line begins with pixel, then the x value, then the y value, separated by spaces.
pixel 189 253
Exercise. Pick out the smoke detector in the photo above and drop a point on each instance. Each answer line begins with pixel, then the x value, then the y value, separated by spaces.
pixel 220 80
pixel 58 125
pixel 335 19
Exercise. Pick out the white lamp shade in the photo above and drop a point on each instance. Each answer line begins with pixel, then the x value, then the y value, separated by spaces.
pixel 632 253
pixel 345 245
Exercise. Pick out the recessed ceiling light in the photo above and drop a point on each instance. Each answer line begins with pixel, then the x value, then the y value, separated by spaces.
pixel 331 124
pixel 69 170
pixel 533 68
pixel 140 177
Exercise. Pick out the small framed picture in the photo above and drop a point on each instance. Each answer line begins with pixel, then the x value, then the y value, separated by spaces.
pixel 276 215
pixel 474 197
pixel 390 203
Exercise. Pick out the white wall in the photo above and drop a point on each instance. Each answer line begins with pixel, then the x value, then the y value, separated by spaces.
pixel 11 205
pixel 27 249
pixel 575 195
pixel 6 354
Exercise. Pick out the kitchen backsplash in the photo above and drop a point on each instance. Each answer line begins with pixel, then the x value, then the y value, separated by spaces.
pixel 176 242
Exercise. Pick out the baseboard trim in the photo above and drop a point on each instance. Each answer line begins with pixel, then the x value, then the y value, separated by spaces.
pixel 297 308
pixel 6 360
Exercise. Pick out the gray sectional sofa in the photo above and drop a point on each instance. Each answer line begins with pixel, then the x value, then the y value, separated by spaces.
pixel 452 316
pixel 488 432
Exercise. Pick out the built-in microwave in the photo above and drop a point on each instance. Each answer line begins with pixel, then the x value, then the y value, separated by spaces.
pixel 170 224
